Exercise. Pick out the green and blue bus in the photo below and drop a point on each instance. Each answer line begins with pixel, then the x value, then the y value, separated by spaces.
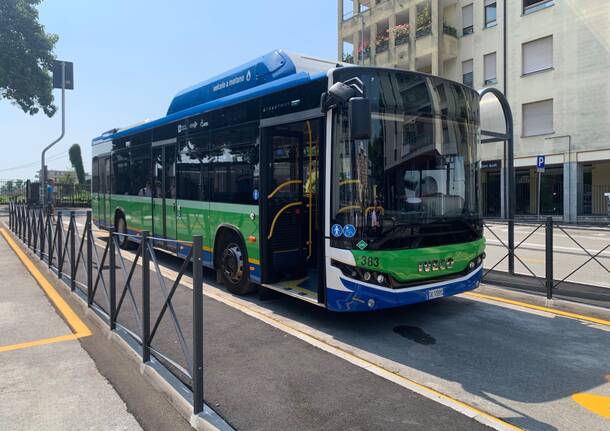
pixel 352 188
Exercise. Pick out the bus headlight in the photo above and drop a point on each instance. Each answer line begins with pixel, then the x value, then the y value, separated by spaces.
pixel 367 276
pixel 380 279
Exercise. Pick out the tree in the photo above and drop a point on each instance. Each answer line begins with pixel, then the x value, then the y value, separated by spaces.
pixel 26 57
pixel 76 158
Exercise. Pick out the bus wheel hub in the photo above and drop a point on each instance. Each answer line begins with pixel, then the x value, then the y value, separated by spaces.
pixel 233 263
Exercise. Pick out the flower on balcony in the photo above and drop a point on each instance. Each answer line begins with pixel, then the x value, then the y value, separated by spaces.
pixel 382 41
pixel 401 33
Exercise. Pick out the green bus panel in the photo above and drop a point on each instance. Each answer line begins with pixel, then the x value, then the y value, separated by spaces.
pixel 403 265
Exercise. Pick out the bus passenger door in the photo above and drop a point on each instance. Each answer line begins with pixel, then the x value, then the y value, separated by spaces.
pixel 284 205
pixel 164 193
pixel 106 218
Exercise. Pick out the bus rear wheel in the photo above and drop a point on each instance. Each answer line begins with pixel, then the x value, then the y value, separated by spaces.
pixel 232 266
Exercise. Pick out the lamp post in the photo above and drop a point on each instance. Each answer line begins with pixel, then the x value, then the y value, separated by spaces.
pixel 63 77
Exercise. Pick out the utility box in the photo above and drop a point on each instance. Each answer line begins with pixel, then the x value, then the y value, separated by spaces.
pixel 608 198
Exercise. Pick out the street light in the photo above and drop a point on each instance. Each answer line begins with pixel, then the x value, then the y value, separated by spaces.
pixel 63 77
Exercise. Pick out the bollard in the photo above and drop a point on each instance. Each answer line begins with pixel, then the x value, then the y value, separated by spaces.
pixel 197 324
pixel 88 235
pixel 112 298
pixel 145 298
pixel 549 257
pixel 72 235
pixel 59 230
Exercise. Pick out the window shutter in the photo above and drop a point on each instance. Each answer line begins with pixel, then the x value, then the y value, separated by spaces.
pixel 467 67
pixel 538 55
pixel 538 118
pixel 490 66
pixel 488 2
pixel 467 16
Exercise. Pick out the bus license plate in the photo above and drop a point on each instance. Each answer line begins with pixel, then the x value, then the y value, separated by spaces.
pixel 436 293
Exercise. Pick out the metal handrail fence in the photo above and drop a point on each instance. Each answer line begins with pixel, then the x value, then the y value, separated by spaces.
pixel 550 227
pixel 60 244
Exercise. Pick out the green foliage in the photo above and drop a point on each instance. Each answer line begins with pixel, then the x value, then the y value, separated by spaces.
pixel 424 15
pixel 26 57
pixel 76 158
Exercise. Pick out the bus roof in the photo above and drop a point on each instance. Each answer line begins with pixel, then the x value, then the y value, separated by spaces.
pixel 272 72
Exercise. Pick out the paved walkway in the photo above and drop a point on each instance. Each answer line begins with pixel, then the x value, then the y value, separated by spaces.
pixel 47 380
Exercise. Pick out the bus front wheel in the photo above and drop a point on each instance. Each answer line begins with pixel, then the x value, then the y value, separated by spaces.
pixel 120 226
pixel 232 266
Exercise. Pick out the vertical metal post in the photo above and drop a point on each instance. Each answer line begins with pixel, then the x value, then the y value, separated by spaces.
pixel 41 227
pixel 72 235
pixel 549 257
pixel 22 223
pixel 538 195
pixel 112 299
pixel 145 298
pixel 49 240
pixel 34 231
pixel 59 230
pixel 197 324
pixel 89 239
pixel 28 228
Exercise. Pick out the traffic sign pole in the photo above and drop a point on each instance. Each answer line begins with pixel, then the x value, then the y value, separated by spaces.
pixel 540 164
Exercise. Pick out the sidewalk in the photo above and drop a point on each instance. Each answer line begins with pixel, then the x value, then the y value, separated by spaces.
pixel 47 380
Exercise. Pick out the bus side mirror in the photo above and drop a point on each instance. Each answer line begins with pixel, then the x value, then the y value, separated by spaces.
pixel 359 110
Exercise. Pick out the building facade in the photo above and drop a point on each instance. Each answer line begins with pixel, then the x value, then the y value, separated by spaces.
pixel 550 58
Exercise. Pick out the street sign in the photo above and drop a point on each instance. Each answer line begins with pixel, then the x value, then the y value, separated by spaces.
pixel 69 74
pixel 540 160
pixel 491 164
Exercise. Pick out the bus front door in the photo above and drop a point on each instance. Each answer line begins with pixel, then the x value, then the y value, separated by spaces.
pixel 289 212
pixel 164 194
pixel 106 216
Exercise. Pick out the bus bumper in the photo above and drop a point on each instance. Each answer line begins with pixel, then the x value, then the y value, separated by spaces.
pixel 357 296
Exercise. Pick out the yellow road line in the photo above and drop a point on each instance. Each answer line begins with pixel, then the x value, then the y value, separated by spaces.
pixel 554 311
pixel 77 325
pixel 38 343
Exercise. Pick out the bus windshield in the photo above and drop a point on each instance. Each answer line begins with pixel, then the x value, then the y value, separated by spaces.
pixel 414 183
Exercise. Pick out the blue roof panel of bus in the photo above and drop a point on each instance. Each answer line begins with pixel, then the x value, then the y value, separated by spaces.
pixel 272 72
pixel 262 70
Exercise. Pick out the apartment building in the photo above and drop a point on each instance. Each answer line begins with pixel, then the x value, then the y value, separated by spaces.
pixel 550 57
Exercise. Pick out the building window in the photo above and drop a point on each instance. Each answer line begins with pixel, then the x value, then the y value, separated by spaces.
pixel 538 55
pixel 530 6
pixel 467 20
pixel 538 118
pixel 490 69
pixel 467 73
pixel 490 13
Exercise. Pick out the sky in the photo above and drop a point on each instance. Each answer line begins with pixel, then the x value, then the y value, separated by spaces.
pixel 131 58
